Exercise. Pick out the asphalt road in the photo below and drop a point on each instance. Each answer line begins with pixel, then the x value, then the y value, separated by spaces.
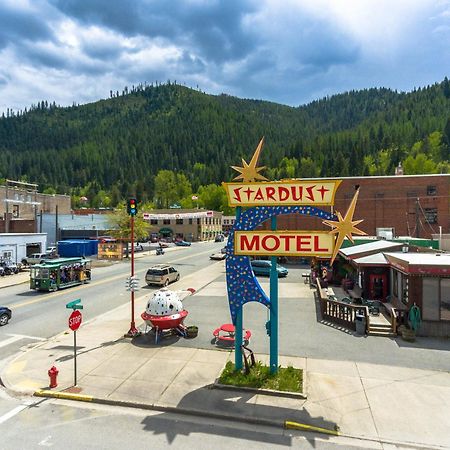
pixel 40 423
pixel 40 315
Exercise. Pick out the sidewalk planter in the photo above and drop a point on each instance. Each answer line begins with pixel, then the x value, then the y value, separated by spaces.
pixel 191 332
pixel 407 334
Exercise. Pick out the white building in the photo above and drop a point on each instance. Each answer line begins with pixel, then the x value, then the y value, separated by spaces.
pixel 17 246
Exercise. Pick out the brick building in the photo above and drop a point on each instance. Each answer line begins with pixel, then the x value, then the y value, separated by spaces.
pixel 413 205
pixel 20 203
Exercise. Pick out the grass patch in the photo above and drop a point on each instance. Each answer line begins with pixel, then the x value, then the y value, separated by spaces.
pixel 286 379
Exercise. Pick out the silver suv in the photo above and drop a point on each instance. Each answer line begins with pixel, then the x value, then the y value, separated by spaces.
pixel 161 274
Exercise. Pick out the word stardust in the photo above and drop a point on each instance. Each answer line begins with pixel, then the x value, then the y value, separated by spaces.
pixel 284 243
pixel 292 192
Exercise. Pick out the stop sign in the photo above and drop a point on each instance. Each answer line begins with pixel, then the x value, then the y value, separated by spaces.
pixel 75 320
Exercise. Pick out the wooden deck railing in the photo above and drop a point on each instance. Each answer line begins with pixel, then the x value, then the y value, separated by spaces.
pixel 341 313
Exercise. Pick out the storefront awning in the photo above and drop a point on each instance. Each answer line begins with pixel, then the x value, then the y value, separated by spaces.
pixel 166 231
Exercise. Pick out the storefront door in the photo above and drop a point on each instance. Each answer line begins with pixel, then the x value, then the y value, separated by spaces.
pixel 378 287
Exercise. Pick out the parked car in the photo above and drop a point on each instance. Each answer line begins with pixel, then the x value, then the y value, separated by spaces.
pixel 5 315
pixel 183 244
pixel 37 258
pixel 2 271
pixel 138 248
pixel 219 238
pixel 51 250
pixel 218 256
pixel 262 267
pixel 163 244
pixel 161 274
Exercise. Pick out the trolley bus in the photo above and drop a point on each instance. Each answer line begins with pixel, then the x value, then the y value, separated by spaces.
pixel 60 273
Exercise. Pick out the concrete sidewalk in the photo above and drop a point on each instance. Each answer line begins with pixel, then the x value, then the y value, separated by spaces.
pixel 380 403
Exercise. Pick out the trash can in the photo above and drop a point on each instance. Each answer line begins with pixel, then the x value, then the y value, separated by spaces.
pixel 360 320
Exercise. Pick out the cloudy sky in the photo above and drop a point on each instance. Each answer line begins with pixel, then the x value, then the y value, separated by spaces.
pixel 286 51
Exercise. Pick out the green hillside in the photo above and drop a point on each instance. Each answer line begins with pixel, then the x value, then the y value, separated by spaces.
pixel 121 143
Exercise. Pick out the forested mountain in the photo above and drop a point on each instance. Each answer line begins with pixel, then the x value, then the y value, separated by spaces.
pixel 121 143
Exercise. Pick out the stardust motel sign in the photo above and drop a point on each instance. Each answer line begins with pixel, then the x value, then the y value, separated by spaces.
pixel 284 243
pixel 287 193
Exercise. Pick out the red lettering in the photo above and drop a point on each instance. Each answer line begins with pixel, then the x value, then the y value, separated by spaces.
pixel 253 245
pixel 270 191
pixel 303 241
pixel 283 193
pixel 266 247
pixel 249 191
pixel 316 245
pixel 259 195
pixel 310 192
pixel 237 194
pixel 287 239
pixel 298 189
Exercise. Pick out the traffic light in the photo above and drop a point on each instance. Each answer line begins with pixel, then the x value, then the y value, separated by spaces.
pixel 132 206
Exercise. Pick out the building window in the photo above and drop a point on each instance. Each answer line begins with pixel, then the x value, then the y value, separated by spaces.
pixel 431 215
pixel 198 221
pixel 153 221
pixel 179 221
pixel 166 222
pixel 15 212
pixel 7 254
pixel 405 289
pixel 430 296
pixel 379 195
pixel 431 190
pixel 190 221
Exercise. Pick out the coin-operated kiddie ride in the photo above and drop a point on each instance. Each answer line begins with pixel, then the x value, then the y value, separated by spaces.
pixel 165 312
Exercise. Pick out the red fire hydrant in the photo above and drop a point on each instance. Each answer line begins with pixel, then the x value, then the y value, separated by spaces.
pixel 53 374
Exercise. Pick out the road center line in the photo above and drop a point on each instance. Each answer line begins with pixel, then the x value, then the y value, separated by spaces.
pixel 95 283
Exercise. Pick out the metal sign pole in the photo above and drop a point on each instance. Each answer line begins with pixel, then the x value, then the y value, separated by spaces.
pixel 273 308
pixel 75 356
pixel 133 328
pixel 239 323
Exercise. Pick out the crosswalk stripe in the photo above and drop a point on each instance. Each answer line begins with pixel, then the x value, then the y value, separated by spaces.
pixel 10 341
pixel 12 413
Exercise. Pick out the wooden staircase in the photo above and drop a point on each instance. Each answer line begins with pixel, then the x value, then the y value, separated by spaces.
pixel 380 326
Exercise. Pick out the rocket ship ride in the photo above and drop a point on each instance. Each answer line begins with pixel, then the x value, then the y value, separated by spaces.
pixel 165 311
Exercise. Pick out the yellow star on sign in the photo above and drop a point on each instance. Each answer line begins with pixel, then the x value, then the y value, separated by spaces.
pixel 344 226
pixel 249 172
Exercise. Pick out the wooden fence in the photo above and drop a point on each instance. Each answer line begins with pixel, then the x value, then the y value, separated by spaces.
pixel 341 313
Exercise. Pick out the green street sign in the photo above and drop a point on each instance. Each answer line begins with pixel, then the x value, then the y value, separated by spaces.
pixel 74 304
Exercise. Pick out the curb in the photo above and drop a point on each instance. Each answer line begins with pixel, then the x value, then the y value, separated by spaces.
pixel 286 424
pixel 304 427
pixel 14 284
pixel 259 391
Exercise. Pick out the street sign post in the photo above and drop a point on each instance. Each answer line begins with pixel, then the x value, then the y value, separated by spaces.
pixel 75 320
pixel 75 304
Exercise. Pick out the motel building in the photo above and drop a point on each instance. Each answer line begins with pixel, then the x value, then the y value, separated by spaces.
pixel 188 224
pixel 399 276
